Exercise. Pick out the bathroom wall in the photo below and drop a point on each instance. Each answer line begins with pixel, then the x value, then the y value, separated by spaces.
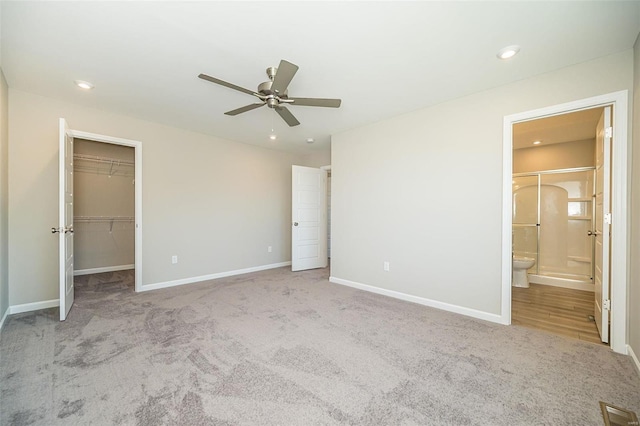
pixel 556 156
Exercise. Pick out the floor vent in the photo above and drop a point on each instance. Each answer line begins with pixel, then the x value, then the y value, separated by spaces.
pixel 616 416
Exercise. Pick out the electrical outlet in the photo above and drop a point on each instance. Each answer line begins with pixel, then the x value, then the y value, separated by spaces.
pixel 385 266
pixel 174 259
pixel 269 249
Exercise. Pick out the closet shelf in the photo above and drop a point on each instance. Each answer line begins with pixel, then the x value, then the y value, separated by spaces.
pixel 103 165
pixel 103 218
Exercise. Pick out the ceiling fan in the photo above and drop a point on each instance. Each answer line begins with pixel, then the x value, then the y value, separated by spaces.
pixel 273 93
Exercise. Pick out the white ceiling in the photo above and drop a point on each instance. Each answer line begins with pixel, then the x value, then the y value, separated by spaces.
pixel 382 58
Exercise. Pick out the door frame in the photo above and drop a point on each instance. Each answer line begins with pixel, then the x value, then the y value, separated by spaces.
pixel 137 147
pixel 619 202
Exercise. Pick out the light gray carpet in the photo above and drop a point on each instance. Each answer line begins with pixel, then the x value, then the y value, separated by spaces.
pixel 285 348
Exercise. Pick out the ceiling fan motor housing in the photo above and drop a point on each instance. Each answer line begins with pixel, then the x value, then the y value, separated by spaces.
pixel 265 89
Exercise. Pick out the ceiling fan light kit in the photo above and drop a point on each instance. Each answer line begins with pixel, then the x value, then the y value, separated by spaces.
pixel 274 94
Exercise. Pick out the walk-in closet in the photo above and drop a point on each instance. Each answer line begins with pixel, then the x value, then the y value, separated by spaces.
pixel 104 210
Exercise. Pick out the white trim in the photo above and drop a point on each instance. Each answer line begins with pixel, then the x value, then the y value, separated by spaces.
pixel 201 278
pixel 561 282
pixel 507 225
pixel 103 269
pixel 137 146
pixel 4 317
pixel 419 300
pixel 634 357
pixel 35 306
pixel 619 194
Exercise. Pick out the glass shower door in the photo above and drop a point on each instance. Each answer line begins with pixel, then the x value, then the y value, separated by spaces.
pixel 565 221
pixel 525 190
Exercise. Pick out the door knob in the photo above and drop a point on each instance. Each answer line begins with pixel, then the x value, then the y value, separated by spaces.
pixel 589 233
pixel 295 223
pixel 64 230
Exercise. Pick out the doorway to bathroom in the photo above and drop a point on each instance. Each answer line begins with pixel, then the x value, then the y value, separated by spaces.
pixel 555 205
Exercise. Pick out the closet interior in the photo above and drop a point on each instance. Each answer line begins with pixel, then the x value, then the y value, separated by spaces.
pixel 104 207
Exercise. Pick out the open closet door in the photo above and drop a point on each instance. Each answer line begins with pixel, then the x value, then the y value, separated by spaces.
pixel 65 220
pixel 604 133
pixel 308 213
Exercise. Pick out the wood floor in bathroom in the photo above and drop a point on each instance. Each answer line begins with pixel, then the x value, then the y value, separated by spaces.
pixel 556 310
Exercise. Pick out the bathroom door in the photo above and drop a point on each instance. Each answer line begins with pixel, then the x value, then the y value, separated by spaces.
pixel 309 217
pixel 65 220
pixel 602 222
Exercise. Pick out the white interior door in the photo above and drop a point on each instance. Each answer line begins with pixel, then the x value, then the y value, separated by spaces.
pixel 309 218
pixel 65 221
pixel 602 221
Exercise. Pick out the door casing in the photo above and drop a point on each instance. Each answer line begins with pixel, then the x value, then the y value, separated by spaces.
pixel 137 146
pixel 619 203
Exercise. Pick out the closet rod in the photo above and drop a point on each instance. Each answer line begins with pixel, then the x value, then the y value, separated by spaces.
pixel 97 159
pixel 103 218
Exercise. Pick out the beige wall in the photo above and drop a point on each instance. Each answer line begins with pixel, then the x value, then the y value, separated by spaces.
pixel 4 196
pixel 558 156
pixel 424 190
pixel 215 204
pixel 634 290
pixel 316 159
pixel 102 190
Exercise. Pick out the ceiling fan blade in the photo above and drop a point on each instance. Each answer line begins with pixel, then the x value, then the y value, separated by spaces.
pixel 226 84
pixel 284 75
pixel 316 102
pixel 245 109
pixel 287 116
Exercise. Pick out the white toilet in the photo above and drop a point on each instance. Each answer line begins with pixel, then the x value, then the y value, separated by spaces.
pixel 520 267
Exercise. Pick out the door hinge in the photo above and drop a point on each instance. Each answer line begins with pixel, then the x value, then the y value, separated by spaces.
pixel 607 218
pixel 608 132
pixel 606 305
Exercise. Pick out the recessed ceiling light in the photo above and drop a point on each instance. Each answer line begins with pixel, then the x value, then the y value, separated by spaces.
pixel 273 137
pixel 537 142
pixel 310 140
pixel 84 84
pixel 508 52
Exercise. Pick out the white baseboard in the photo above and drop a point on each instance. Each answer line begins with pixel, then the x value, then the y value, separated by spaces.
pixel 4 317
pixel 564 283
pixel 634 357
pixel 35 306
pixel 421 300
pixel 104 269
pixel 201 278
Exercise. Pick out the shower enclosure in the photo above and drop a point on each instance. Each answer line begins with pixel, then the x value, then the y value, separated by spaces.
pixel 552 223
